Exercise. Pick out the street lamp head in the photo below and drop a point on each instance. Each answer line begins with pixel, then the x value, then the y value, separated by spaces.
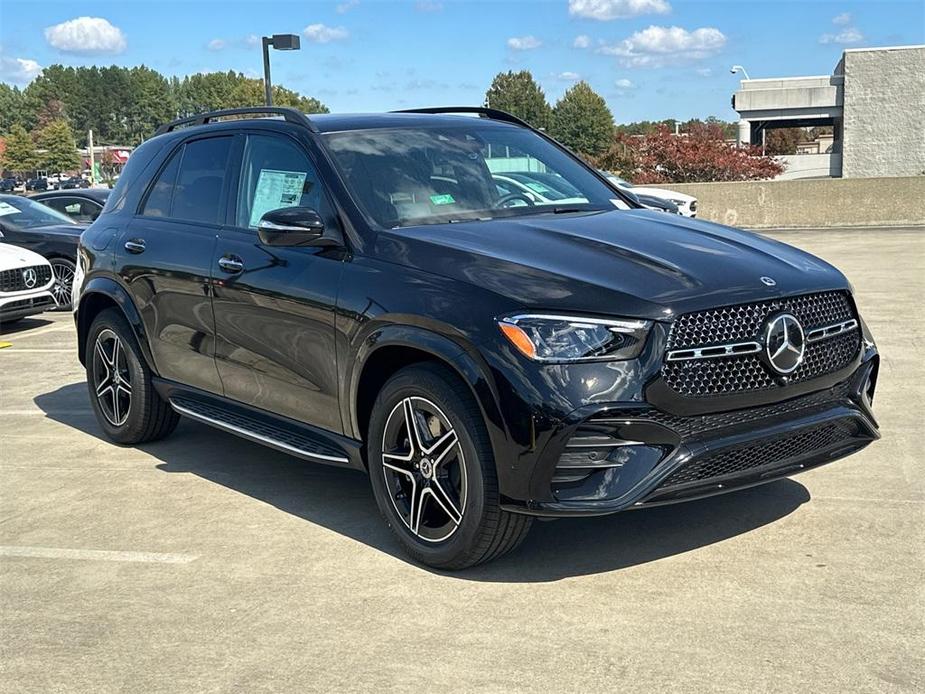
pixel 285 42
pixel 738 68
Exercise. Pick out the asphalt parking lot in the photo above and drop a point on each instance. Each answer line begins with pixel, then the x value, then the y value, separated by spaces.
pixel 206 563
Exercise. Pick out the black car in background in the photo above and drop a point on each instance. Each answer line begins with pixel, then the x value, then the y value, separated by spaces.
pixel 356 290
pixel 83 206
pixel 30 224
pixel 37 184
pixel 7 185
pixel 72 183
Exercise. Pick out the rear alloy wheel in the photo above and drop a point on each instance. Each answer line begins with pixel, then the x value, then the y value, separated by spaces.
pixel 127 407
pixel 433 474
pixel 63 272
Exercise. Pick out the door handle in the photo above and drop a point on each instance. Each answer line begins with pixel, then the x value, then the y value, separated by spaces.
pixel 231 264
pixel 135 246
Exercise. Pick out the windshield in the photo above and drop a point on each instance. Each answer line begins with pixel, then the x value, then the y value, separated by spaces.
pixel 441 174
pixel 24 213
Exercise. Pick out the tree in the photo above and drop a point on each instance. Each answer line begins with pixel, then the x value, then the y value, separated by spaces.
pixel 780 141
pixel 701 155
pixel 220 90
pixel 19 155
pixel 59 148
pixel 520 95
pixel 11 107
pixel 582 121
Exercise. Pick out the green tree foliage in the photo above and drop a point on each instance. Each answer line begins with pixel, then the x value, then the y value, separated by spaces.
pixel 519 94
pixel 219 90
pixel 582 121
pixel 19 155
pixel 11 107
pixel 125 105
pixel 58 150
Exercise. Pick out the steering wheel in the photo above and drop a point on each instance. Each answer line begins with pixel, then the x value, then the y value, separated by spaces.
pixel 510 197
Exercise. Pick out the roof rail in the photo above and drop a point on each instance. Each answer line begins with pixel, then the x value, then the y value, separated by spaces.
pixel 483 111
pixel 291 115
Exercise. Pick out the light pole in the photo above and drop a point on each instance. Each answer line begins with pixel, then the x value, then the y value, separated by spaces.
pixel 738 68
pixel 281 42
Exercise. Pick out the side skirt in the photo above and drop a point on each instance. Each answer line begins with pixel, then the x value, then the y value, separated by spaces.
pixel 283 434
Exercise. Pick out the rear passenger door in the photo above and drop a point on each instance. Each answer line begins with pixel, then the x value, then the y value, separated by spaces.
pixel 165 258
pixel 274 306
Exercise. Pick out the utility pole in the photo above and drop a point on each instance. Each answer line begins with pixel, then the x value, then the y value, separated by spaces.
pixel 281 42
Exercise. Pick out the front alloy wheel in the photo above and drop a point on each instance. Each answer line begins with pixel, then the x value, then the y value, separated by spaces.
pixel 432 471
pixel 424 469
pixel 63 272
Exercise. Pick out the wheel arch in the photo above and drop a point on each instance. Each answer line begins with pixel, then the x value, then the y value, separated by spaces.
pixel 98 294
pixel 391 348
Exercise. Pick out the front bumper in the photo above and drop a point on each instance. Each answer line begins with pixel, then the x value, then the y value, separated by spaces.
pixel 24 304
pixel 665 458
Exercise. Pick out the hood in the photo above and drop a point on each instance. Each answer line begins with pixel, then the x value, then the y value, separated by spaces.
pixel 13 257
pixel 74 230
pixel 637 263
pixel 662 193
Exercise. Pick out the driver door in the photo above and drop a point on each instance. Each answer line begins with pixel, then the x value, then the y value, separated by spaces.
pixel 274 306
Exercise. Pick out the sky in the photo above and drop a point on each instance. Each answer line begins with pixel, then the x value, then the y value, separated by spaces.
pixel 650 59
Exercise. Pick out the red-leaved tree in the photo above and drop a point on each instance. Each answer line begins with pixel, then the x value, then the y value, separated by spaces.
pixel 699 155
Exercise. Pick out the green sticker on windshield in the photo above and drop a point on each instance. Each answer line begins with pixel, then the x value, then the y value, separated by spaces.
pixel 442 199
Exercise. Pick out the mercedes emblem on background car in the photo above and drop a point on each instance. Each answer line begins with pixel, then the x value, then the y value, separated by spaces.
pixel 29 277
pixel 769 281
pixel 785 343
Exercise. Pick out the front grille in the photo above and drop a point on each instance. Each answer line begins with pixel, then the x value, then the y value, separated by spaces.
pixel 775 453
pixel 12 280
pixel 744 323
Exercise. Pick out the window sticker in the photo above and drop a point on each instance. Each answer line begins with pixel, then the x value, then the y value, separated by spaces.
pixel 276 189
pixel 72 209
pixel 619 204
pixel 537 187
pixel 442 199
pixel 6 208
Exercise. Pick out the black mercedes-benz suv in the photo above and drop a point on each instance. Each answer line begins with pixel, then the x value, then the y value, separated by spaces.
pixel 357 290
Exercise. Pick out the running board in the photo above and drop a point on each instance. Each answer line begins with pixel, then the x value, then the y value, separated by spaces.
pixel 262 431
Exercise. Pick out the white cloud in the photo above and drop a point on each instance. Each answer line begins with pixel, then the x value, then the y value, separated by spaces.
pixel 568 76
pixel 321 33
pixel 583 41
pixel 18 70
pixel 659 46
pixel 624 83
pixel 846 36
pixel 428 6
pixel 216 44
pixel 842 19
pixel 606 10
pixel 89 35
pixel 704 71
pixel 345 7
pixel 523 43
pixel 251 40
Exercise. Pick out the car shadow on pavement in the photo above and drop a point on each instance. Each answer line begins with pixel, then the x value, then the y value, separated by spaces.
pixel 341 500
pixel 20 326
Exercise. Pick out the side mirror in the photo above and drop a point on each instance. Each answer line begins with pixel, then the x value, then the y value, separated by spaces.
pixel 290 226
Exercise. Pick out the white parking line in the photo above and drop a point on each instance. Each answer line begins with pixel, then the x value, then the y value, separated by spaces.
pixel 14 348
pixel 50 413
pixel 96 555
pixel 41 331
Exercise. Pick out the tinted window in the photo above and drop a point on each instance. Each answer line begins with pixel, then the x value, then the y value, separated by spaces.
pixel 78 209
pixel 158 202
pixel 198 191
pixel 23 213
pixel 276 173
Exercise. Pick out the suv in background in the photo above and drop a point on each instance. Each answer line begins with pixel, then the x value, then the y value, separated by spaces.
pixel 355 290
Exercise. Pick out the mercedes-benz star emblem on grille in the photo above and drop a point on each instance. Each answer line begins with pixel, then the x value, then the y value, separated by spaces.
pixel 29 277
pixel 785 343
pixel 770 281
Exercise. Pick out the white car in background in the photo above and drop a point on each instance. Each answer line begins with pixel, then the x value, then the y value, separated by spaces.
pixel 687 204
pixel 26 281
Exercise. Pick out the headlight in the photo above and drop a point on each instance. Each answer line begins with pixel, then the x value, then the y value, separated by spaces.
pixel 679 203
pixel 574 338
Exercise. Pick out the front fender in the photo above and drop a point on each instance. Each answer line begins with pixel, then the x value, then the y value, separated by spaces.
pixel 98 293
pixel 462 357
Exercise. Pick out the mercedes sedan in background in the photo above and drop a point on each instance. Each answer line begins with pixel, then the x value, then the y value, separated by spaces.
pixel 687 204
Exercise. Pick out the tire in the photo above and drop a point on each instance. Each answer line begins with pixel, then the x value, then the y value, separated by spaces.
pixel 127 408
pixel 63 271
pixel 440 498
